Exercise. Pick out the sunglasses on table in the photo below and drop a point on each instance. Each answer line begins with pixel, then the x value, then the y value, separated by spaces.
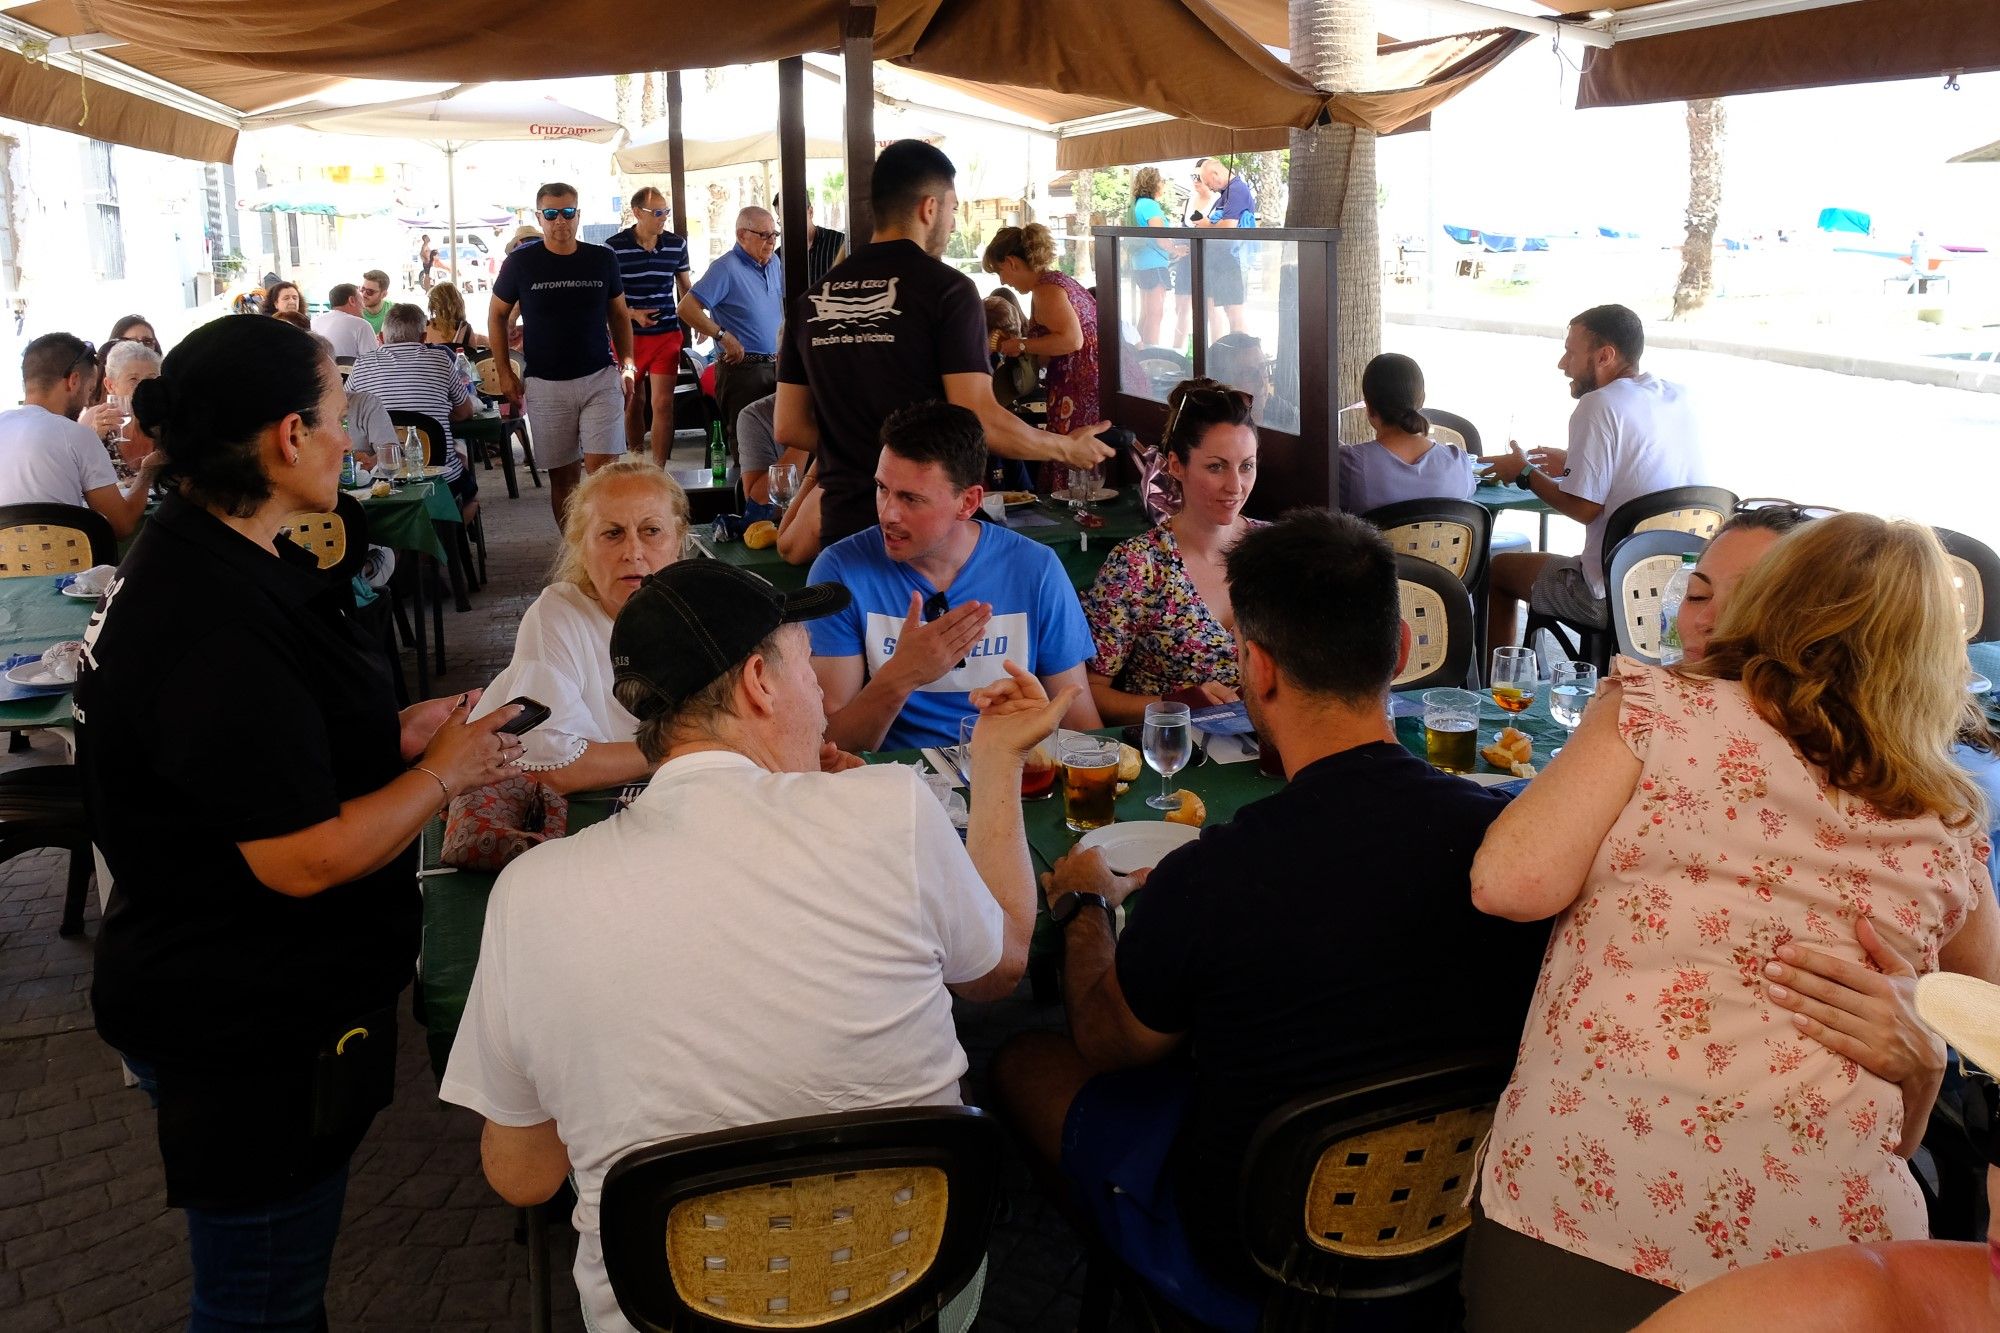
pixel 551 214
pixel 935 605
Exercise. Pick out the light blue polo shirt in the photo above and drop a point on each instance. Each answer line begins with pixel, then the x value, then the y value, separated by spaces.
pixel 746 300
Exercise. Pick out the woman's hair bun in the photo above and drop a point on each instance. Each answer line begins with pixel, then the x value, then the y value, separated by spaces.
pixel 153 403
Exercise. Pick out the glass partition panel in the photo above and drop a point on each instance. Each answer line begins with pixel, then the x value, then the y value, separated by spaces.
pixel 1251 295
pixel 1146 267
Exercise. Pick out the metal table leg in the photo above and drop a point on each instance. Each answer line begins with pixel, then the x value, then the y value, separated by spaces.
pixel 541 1311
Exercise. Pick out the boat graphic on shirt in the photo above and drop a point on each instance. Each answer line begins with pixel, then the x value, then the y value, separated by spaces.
pixel 855 301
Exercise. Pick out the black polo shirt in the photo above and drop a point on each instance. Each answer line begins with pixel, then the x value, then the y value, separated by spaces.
pixel 1325 934
pixel 226 698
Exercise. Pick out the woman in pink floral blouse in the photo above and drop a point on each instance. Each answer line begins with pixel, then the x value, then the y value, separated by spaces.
pixel 1666 1122
pixel 1159 609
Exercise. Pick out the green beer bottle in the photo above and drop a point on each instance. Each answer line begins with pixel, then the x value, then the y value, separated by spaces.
pixel 718 453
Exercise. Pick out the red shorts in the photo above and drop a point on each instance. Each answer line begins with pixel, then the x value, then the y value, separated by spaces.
pixel 657 353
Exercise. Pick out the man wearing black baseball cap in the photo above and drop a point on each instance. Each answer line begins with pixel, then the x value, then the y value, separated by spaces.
pixel 755 938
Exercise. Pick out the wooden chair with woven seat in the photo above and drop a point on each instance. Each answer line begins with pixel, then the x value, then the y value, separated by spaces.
pixel 863 1222
pixel 338 540
pixel 1456 534
pixel 1975 570
pixel 1453 429
pixel 1438 611
pixel 516 422
pixel 1641 567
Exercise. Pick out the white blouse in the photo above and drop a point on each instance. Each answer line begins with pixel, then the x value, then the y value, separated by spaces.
pixel 562 657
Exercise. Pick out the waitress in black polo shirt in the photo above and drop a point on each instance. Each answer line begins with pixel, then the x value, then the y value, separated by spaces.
pixel 256 795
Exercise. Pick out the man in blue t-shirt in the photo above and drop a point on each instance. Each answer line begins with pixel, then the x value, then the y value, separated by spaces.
pixel 1222 270
pixel 654 264
pixel 940 600
pixel 740 302
pixel 570 295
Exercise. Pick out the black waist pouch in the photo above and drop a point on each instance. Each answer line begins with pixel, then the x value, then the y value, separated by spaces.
pixel 278 1122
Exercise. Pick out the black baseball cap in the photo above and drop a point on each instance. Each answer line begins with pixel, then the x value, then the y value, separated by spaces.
pixel 696 619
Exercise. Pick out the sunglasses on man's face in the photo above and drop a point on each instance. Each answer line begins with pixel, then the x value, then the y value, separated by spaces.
pixel 551 214
pixel 659 213
pixel 762 235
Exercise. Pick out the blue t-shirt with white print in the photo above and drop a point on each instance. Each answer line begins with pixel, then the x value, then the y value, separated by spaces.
pixel 1037 622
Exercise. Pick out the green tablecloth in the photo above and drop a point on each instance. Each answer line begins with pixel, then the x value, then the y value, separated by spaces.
pixel 1081 550
pixel 33 615
pixel 403 520
pixel 455 900
pixel 1498 498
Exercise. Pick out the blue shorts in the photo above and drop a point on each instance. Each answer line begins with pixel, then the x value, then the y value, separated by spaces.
pixel 1116 1140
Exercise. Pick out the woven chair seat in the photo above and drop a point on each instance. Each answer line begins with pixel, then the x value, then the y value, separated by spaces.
pixel 1424 613
pixel 1699 520
pixel 43 548
pixel 1398 1190
pixel 1451 545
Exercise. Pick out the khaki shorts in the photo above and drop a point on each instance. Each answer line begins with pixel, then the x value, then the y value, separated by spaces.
pixel 1560 591
pixel 571 418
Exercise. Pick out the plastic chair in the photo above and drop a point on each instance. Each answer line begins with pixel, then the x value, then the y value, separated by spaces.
pixel 515 423
pixel 1453 429
pixel 869 1222
pixel 458 543
pixel 1438 611
pixel 1456 534
pixel 1364 1191
pixel 1975 569
pixel 41 538
pixel 1641 567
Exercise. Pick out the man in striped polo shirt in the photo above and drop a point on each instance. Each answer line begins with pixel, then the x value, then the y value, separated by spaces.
pixel 654 263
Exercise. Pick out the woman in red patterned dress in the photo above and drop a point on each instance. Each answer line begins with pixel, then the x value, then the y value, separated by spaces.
pixel 1063 327
pixel 1666 1122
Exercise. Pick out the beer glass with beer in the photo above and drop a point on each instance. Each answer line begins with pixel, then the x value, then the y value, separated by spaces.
pixel 1090 781
pixel 1451 729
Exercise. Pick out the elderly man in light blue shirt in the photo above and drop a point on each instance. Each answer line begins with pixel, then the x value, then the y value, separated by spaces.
pixel 740 303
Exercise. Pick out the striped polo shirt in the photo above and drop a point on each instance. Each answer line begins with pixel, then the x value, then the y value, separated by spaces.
pixel 649 277
pixel 415 377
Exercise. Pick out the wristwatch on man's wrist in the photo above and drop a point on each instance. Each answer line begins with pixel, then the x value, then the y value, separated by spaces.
pixel 1526 478
pixel 1066 908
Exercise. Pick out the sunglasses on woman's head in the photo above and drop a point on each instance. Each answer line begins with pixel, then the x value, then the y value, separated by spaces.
pixel 1771 504
pixel 566 214
pixel 1213 393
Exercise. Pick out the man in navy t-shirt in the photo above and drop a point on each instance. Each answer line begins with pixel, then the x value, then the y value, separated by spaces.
pixel 571 295
pixel 1222 271
pixel 940 600
pixel 654 264
pixel 1325 935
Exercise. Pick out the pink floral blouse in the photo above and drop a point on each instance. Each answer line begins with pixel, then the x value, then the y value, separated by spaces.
pixel 1664 1117
pixel 1154 633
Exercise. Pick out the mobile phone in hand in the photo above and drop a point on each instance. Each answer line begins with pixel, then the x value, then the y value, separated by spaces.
pixel 533 713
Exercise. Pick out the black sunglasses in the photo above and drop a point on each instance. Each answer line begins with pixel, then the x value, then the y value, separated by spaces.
pixel 935 605
pixel 1212 393
pixel 87 357
pixel 551 214
pixel 1768 504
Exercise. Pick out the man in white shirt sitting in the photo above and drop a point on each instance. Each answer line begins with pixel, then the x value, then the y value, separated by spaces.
pixel 46 455
pixel 755 938
pixel 342 325
pixel 1630 435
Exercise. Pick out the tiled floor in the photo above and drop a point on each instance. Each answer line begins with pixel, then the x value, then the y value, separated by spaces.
pixel 86 1240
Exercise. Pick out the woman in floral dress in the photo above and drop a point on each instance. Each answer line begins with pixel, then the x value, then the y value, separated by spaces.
pixel 1063 322
pixel 1159 610
pixel 1666 1122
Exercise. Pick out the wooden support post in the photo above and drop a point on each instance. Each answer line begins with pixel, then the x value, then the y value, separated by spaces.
pixel 857 32
pixel 792 174
pixel 676 154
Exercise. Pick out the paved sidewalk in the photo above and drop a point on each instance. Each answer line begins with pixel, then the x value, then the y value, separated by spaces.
pixel 86 1240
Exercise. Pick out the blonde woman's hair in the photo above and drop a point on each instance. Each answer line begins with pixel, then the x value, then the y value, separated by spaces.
pixel 569 566
pixel 447 309
pixel 1848 639
pixel 1032 245
pixel 1146 183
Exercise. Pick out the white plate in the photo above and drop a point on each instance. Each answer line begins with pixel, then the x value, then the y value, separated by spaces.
pixel 35 677
pixel 1489 779
pixel 1103 493
pixel 1139 845
pixel 71 591
pixel 1980 685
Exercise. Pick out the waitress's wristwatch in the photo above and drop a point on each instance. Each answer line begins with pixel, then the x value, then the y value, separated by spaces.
pixel 1067 908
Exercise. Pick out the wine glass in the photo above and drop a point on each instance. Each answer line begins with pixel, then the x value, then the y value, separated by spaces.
pixel 784 479
pixel 1168 744
pixel 1514 678
pixel 1571 685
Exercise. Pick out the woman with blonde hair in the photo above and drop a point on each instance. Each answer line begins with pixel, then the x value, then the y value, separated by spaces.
pixel 447 324
pixel 1152 265
pixel 1666 1121
pixel 625 521
pixel 1063 327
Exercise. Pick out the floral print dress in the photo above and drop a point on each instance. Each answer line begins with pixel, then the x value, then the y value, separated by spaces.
pixel 1664 1117
pixel 1071 378
pixel 1153 631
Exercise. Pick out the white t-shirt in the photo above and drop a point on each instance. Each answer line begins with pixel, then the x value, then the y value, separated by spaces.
pixel 562 657
pixel 350 335
pixel 1630 438
pixel 47 459
pixel 739 946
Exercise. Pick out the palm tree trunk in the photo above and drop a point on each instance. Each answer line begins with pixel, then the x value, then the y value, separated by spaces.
pixel 1333 177
pixel 1706 130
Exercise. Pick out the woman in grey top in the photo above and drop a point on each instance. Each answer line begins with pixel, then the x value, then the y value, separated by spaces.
pixel 1402 462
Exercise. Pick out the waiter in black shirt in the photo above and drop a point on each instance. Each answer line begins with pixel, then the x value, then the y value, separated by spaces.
pixel 256 796
pixel 893 325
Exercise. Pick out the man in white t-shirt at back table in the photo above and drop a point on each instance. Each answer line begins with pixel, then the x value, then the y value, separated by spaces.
pixel 795 958
pixel 942 602
pixel 46 455
pixel 342 325
pixel 1630 435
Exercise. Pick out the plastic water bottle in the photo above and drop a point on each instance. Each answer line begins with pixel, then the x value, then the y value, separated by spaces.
pixel 718 453
pixel 1670 612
